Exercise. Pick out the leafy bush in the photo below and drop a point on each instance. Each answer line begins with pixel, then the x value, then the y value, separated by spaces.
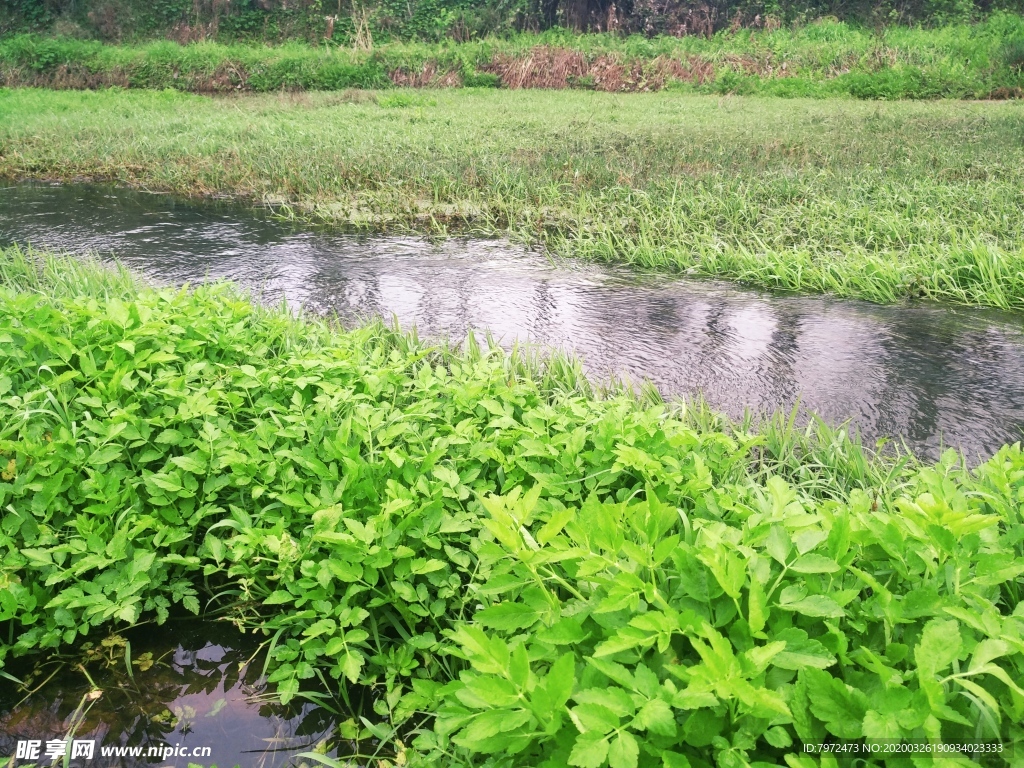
pixel 323 75
pixel 334 476
pixel 475 79
pixel 433 20
pixel 1013 54
pixel 629 633
pixel 550 578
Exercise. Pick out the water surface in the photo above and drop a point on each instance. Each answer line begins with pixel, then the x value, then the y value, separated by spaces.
pixel 200 690
pixel 925 374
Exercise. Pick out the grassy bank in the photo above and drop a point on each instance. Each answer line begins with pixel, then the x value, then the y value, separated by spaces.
pixel 823 59
pixel 524 574
pixel 872 200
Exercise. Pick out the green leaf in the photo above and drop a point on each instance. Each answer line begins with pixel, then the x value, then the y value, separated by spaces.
pixel 939 646
pixel 448 476
pixel 674 760
pixel 656 716
pixel 595 717
pixel 105 455
pixel 778 544
pixel 560 679
pixel 190 463
pixel 986 651
pixel 558 520
pixel 215 546
pixel 612 698
pixel 485 726
pixel 778 737
pixel 169 437
pixel 564 632
pixel 692 698
pixel 519 666
pixel 507 616
pixel 624 751
pixel 295 500
pixel 613 670
pixel 757 607
pixel 323 626
pixel 351 664
pixel 813 563
pixel 589 751
pixel 817 606
pixel 728 569
pixel 878 725
pixel 800 651
pixel 422 566
pixel 626 639
pixel 839 706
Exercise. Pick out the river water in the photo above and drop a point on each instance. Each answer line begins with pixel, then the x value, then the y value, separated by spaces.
pixel 925 374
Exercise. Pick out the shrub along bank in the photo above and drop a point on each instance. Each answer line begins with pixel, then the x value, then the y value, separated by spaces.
pixel 526 574
pixel 827 58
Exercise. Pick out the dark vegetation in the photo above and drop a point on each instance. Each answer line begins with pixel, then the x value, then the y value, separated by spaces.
pixel 363 22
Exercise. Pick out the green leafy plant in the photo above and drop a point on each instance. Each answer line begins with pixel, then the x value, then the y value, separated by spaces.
pixel 634 633
pixel 1013 53
pixel 473 79
pixel 522 573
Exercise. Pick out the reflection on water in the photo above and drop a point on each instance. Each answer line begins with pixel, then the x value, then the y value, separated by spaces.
pixel 202 690
pixel 925 374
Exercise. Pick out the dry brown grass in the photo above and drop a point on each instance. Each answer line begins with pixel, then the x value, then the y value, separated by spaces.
pixel 227 78
pixel 557 68
pixel 426 77
pixel 1000 94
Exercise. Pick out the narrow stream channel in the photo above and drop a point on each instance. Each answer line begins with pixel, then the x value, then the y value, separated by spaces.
pixel 929 375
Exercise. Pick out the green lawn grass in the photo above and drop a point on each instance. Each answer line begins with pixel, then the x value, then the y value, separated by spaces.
pixel 881 201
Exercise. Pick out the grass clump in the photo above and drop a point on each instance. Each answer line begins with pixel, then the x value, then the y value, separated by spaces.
pixel 881 201
pixel 522 573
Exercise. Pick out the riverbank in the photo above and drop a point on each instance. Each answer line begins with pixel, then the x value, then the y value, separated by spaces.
pixel 876 201
pixel 823 59
pixel 394 515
